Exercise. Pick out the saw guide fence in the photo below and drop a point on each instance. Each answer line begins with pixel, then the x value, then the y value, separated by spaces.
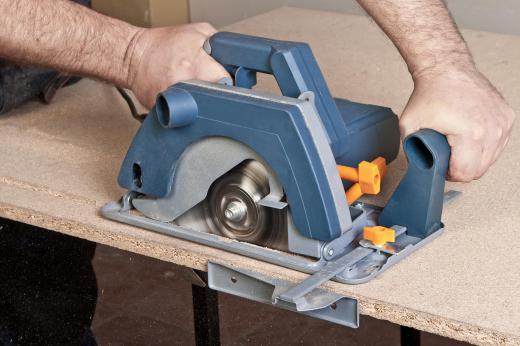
pixel 60 164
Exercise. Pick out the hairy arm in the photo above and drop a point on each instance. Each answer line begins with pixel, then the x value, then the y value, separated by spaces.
pixel 450 94
pixel 66 36
pixel 423 32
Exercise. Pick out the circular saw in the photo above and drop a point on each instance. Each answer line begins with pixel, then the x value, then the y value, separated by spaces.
pixel 275 177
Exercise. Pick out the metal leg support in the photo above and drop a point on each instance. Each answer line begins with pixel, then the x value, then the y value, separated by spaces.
pixel 410 336
pixel 205 314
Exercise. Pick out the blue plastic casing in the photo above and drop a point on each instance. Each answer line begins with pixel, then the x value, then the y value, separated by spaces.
pixel 277 131
pixel 356 131
pixel 418 199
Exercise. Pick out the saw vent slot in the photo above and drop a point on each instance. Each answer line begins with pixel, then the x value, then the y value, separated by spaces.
pixel 136 169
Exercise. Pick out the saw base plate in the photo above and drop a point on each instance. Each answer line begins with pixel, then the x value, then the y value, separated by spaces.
pixel 358 263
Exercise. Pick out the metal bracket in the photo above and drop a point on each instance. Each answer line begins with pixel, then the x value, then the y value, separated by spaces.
pixel 317 303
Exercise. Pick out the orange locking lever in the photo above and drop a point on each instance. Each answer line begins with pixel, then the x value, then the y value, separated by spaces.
pixel 379 235
pixel 366 178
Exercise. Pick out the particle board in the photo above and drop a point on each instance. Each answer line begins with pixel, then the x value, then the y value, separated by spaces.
pixel 60 163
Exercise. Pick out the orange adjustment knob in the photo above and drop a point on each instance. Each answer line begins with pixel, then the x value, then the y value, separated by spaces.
pixel 348 173
pixel 381 164
pixel 379 235
pixel 353 193
pixel 369 178
pixel 366 178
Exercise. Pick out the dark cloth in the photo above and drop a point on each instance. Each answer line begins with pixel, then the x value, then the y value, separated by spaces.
pixel 22 83
pixel 48 288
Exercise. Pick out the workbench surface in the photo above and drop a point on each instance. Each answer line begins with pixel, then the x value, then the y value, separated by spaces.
pixel 60 162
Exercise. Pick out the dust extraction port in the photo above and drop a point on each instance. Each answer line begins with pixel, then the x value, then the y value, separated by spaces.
pixel 163 111
pixel 418 153
pixel 136 169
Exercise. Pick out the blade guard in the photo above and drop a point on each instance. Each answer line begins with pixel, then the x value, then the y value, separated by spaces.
pixel 285 132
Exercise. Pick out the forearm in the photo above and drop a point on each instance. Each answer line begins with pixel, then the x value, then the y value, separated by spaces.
pixel 66 36
pixel 450 95
pixel 423 32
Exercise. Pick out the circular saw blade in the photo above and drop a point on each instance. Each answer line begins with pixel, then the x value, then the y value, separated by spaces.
pixel 231 208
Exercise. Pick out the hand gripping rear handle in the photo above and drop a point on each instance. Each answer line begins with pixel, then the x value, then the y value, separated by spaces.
pixel 417 201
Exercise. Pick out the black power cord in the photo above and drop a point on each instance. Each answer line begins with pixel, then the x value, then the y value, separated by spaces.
pixel 131 105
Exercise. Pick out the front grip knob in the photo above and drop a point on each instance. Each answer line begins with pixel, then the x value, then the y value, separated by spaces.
pixel 417 201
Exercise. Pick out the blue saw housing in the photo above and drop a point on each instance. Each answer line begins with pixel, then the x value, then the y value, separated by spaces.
pixel 296 147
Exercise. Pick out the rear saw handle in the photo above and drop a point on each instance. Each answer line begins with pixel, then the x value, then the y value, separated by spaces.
pixel 292 64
